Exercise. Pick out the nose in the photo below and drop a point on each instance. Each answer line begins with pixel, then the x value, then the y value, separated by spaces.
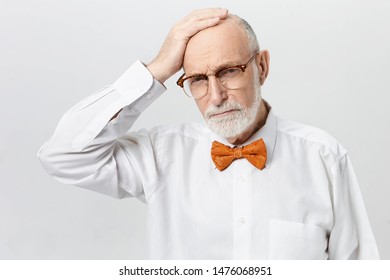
pixel 216 91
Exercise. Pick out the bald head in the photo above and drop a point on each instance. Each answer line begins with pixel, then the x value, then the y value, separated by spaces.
pixel 232 32
pixel 251 36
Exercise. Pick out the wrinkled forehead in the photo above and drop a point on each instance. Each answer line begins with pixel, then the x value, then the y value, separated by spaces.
pixel 223 44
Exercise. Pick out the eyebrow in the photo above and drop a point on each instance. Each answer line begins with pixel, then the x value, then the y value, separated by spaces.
pixel 217 69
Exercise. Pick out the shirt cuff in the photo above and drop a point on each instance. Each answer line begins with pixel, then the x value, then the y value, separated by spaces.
pixel 136 81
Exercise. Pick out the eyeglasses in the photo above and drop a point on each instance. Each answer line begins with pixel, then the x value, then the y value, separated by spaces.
pixel 231 77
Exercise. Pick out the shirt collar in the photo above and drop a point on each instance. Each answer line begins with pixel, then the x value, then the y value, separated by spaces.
pixel 267 132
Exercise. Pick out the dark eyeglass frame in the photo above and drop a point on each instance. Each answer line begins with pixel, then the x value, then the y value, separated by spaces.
pixel 242 67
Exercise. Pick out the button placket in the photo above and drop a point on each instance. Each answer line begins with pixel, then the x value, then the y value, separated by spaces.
pixel 241 210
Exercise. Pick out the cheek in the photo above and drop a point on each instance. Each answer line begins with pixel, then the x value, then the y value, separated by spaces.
pixel 246 96
pixel 251 90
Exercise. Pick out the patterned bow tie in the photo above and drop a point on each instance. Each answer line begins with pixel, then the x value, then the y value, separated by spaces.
pixel 223 156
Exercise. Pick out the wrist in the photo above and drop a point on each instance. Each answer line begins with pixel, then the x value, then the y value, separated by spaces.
pixel 158 72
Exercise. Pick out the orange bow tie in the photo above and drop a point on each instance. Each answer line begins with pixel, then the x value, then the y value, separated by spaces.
pixel 223 156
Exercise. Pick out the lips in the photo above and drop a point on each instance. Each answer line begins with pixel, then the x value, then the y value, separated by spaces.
pixel 222 114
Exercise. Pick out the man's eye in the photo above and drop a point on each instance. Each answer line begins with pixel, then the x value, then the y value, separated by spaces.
pixel 198 79
pixel 229 72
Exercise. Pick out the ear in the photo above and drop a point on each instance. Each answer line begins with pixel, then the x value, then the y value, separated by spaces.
pixel 262 60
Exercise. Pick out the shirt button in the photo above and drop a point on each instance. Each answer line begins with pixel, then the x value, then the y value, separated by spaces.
pixel 149 96
pixel 241 220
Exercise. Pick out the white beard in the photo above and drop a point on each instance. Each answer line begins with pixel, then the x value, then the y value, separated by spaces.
pixel 234 123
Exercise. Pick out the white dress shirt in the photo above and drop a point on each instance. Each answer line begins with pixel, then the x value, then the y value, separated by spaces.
pixel 305 204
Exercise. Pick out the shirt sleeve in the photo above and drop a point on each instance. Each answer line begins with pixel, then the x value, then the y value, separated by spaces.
pixel 90 151
pixel 351 236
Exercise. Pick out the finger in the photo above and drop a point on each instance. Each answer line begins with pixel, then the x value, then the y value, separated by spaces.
pixel 205 14
pixel 201 25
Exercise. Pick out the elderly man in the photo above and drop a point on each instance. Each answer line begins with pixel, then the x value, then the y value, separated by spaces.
pixel 244 185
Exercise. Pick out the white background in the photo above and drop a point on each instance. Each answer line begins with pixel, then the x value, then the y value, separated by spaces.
pixel 330 67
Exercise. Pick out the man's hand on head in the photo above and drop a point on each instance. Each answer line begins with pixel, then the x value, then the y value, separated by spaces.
pixel 170 57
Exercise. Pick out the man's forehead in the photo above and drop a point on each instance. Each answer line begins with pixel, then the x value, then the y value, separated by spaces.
pixel 211 63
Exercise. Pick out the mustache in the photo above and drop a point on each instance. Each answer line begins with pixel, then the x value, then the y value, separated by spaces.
pixel 224 107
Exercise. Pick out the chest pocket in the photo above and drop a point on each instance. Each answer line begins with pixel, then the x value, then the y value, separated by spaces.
pixel 291 240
